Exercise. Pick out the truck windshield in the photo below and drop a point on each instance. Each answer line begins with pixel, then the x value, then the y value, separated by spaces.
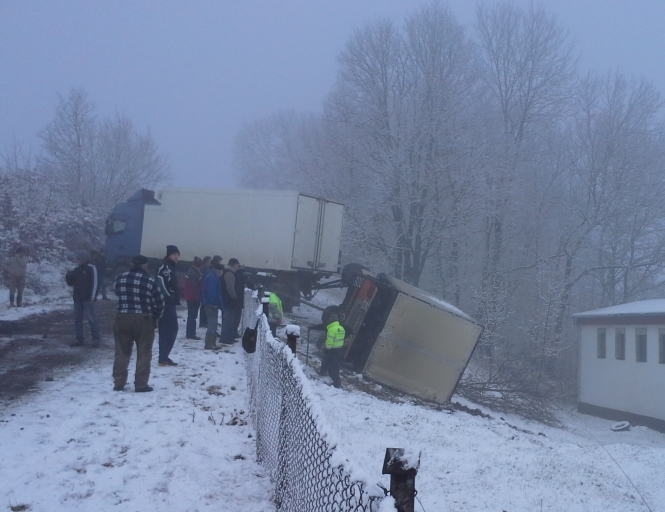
pixel 114 226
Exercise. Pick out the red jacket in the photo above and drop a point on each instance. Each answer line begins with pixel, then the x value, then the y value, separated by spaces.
pixel 193 284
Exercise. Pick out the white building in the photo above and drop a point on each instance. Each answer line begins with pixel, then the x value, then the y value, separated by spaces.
pixel 622 362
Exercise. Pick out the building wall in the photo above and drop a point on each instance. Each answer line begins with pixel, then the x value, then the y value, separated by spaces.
pixel 623 385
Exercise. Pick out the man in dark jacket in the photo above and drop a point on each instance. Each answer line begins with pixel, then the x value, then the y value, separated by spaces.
pixel 84 280
pixel 231 303
pixel 168 323
pixel 212 300
pixel 140 305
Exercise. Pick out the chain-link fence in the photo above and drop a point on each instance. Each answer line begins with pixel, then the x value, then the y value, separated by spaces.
pixel 291 444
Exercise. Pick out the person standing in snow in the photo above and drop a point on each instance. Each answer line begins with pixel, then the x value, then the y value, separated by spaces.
pixel 231 307
pixel 84 280
pixel 193 296
pixel 140 306
pixel 212 299
pixel 275 313
pixel 332 355
pixel 242 282
pixel 15 270
pixel 205 268
pixel 99 261
pixel 168 323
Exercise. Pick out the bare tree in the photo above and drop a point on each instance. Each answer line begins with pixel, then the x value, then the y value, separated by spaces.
pixel 95 163
pixel 69 143
pixel 526 61
pixel 400 97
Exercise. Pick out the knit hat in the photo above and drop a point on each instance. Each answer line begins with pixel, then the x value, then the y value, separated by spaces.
pixel 139 260
pixel 198 262
pixel 83 256
pixel 234 261
pixel 333 318
pixel 172 249
pixel 217 257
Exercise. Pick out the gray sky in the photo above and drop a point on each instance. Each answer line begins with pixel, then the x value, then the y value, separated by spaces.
pixel 194 71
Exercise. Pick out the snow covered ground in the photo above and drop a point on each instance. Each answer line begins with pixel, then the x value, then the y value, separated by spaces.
pixel 77 445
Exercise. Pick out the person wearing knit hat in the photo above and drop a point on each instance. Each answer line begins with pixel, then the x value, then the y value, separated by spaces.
pixel 168 323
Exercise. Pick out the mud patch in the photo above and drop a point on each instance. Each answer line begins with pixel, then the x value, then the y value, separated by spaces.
pixel 36 348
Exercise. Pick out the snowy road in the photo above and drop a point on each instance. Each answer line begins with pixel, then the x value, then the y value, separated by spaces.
pixel 77 445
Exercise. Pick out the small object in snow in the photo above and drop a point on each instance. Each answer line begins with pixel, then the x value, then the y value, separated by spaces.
pixel 622 426
pixel 49 379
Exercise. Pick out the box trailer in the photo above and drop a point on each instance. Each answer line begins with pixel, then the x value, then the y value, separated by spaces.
pixel 292 236
pixel 403 337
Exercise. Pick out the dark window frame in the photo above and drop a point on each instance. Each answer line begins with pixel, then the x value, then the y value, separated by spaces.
pixel 620 343
pixel 641 345
pixel 601 343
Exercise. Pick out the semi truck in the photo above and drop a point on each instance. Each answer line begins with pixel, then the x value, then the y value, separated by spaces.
pixel 289 238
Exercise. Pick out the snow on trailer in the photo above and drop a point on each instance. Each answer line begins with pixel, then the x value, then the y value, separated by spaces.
pixel 404 337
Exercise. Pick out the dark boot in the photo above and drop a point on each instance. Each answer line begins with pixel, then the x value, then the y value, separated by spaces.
pixel 11 299
pixel 210 342
pixel 19 300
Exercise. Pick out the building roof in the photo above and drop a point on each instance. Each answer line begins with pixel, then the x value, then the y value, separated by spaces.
pixel 640 307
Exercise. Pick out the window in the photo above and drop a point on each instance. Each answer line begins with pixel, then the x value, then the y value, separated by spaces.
pixel 641 345
pixel 620 343
pixel 661 346
pixel 114 227
pixel 601 345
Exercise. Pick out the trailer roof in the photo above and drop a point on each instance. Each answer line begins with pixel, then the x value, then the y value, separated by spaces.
pixel 428 298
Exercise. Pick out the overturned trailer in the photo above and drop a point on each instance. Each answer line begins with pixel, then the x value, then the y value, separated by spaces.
pixel 403 337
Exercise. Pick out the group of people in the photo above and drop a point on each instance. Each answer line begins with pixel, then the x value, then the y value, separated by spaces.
pixel 147 302
pixel 211 287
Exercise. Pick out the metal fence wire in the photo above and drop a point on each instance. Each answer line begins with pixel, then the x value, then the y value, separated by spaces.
pixel 308 474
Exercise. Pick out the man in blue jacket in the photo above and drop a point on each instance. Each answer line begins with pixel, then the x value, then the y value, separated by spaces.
pixel 212 300
pixel 168 323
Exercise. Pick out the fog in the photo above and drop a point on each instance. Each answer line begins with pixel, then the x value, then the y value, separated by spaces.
pixel 193 74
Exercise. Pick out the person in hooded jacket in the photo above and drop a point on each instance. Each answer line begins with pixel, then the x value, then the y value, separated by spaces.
pixel 168 323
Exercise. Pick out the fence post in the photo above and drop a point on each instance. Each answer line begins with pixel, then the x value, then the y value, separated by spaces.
pixel 402 478
pixel 265 302
pixel 291 339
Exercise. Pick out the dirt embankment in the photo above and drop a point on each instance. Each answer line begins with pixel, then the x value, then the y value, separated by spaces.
pixel 36 348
